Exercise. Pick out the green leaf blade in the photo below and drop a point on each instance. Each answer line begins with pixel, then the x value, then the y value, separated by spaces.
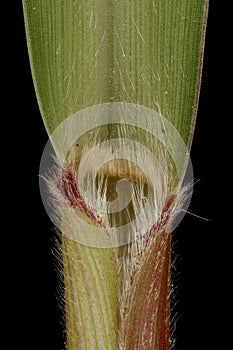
pixel 89 52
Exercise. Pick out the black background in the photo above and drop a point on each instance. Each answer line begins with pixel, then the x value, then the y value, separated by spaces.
pixel 31 280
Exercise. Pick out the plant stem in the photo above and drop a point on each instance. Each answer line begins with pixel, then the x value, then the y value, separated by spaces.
pixel 91 301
